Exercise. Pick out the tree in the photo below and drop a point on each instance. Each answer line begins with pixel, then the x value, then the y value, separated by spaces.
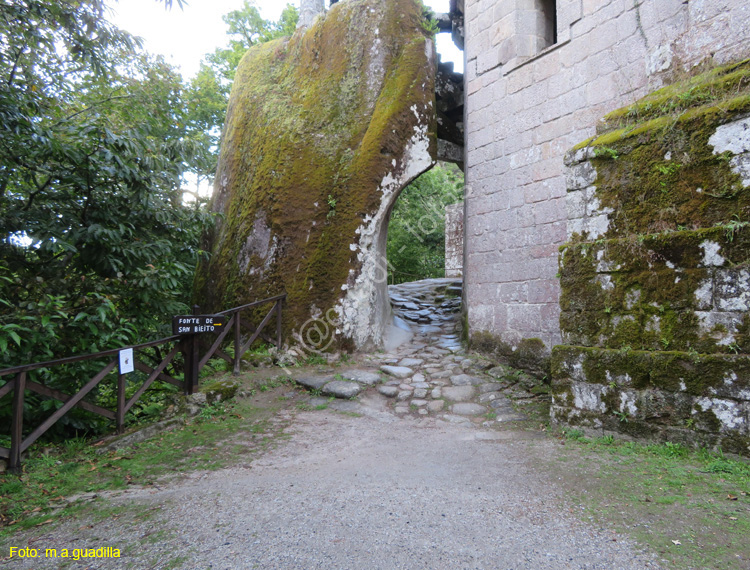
pixel 97 249
pixel 246 28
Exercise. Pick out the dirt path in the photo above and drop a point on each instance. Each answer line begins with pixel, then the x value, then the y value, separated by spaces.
pixel 374 491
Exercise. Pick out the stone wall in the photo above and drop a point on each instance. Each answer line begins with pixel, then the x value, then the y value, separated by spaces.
pixel 454 240
pixel 655 276
pixel 530 98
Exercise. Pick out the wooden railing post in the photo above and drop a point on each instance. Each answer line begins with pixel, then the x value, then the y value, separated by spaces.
pixel 16 428
pixel 192 370
pixel 120 418
pixel 237 343
pixel 278 323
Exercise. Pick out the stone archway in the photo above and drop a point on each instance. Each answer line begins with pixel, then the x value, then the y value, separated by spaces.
pixel 323 132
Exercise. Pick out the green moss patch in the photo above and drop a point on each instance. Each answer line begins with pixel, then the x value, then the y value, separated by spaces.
pixel 700 375
pixel 529 354
pixel 641 292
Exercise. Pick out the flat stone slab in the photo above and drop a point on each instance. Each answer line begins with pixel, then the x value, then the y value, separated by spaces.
pixel 411 362
pixel 365 377
pixel 455 419
pixel 436 406
pixel 500 372
pixel 466 380
pixel 489 397
pixel 441 374
pixel 458 393
pixel 401 372
pixel 510 418
pixel 502 405
pixel 468 409
pixel 313 382
pixel 342 389
pixel 389 391
pixel 490 387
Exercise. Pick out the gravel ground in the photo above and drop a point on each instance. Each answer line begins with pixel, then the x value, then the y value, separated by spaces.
pixel 372 492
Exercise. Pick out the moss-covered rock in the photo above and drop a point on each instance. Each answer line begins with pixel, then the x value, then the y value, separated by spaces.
pixel 673 290
pixel 323 131
pixel 530 355
pixel 656 276
pixel 220 390
pixel 696 398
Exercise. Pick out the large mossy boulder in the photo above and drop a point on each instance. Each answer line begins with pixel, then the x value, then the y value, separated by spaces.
pixel 323 131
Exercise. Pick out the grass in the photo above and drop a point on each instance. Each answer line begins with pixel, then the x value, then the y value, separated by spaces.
pixel 222 434
pixel 692 508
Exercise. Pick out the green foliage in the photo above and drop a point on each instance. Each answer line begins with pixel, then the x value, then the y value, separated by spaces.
pixel 429 23
pixel 97 248
pixel 416 233
pixel 246 28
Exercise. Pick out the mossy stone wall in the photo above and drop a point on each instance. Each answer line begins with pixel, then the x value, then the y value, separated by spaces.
pixel 323 131
pixel 655 278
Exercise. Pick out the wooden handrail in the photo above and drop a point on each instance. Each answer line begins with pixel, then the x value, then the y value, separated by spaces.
pixel 84 357
pixel 189 345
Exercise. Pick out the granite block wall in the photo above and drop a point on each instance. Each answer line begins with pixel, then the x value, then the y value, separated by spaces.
pixel 531 96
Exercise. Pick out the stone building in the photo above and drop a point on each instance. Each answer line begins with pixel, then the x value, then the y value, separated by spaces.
pixel 540 74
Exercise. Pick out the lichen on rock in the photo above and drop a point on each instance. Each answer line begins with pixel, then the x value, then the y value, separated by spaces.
pixel 323 131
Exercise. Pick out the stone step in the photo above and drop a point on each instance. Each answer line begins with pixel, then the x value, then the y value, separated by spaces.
pixel 699 399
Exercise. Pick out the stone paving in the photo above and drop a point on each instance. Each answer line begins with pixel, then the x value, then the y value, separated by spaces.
pixel 430 374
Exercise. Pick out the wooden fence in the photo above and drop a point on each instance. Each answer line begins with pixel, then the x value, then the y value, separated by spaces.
pixel 189 346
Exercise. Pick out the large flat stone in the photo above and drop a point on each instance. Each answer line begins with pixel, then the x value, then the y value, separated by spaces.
pixel 366 377
pixel 342 389
pixel 450 418
pixel 411 362
pixel 313 382
pixel 468 409
pixel 459 393
pixel 348 406
pixel 436 406
pixel 401 372
pixel 466 380
pixel 389 391
pixel 490 387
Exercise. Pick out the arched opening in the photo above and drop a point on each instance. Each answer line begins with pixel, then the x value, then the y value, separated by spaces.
pixel 424 226
pixel 424 288
pixel 416 243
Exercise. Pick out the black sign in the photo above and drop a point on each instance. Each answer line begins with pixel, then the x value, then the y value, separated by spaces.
pixel 194 324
